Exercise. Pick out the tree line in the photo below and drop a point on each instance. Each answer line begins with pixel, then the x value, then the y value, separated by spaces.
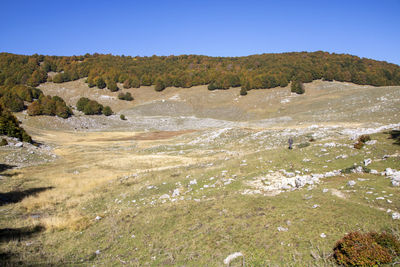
pixel 250 72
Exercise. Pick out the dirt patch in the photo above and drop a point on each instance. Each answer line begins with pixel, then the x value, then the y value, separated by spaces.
pixel 159 135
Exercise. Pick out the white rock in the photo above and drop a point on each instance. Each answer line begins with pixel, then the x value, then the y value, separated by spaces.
pixel 323 235
pixel 380 198
pixel 176 192
pixel 165 196
pixel 371 142
pixel 19 144
pixel 389 172
pixel 282 229
pixel 231 257
pixel 396 216
pixel 315 206
pixel 194 181
pixel 351 183
pixel 367 162
pixel 374 172
pixel 97 252
pixel 97 218
pixel 325 190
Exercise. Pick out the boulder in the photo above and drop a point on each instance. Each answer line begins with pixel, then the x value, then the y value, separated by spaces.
pixel 351 183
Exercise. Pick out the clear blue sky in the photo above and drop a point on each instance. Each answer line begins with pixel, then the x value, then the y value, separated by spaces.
pixel 216 28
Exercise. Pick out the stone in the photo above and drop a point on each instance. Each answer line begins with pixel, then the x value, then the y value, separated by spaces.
pixel 396 216
pixel 325 190
pixel 323 235
pixel 300 181
pixel 97 218
pixel 389 172
pixel 165 196
pixel 373 172
pixel 351 183
pixel 367 162
pixel 282 229
pixel 19 144
pixel 231 257
pixel 194 181
pixel 176 192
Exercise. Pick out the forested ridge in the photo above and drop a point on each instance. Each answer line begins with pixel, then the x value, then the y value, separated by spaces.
pixel 20 74
pixel 250 72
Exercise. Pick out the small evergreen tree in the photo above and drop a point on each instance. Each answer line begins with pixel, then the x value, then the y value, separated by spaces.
pixel 107 111
pixel 100 83
pixel 297 87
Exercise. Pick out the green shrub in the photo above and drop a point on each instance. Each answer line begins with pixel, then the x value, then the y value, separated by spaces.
pixel 12 101
pixel 3 142
pixel 112 86
pixel 100 83
pixel 80 105
pixel 9 126
pixel 127 96
pixel 297 87
pixel 107 111
pixel 122 117
pixel 357 249
pixel 387 241
pixel 93 108
pixel 243 91
pixel 52 106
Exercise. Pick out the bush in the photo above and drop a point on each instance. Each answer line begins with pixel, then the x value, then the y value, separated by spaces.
pixel 297 87
pixel 112 86
pixel 100 83
pixel 358 145
pixel 362 250
pixel 13 102
pixel 243 91
pixel 364 138
pixel 127 96
pixel 93 108
pixel 3 142
pixel 122 117
pixel 9 126
pixel 52 106
pixel 80 105
pixel 107 111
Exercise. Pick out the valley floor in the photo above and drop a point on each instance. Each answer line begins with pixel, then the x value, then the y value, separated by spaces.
pixel 191 191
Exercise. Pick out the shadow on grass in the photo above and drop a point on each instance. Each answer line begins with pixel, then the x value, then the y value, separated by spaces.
pixel 17 196
pixel 7 234
pixel 9 258
pixel 395 135
pixel 4 167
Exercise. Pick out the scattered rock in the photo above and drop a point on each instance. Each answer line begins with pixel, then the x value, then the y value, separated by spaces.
pixel 19 144
pixel 367 162
pixel 323 235
pixel 396 216
pixel 351 183
pixel 282 229
pixel 325 190
pixel 176 192
pixel 98 218
pixel 232 256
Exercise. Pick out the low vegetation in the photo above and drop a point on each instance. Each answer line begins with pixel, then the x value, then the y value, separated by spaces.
pixel 366 249
pixel 51 106
pixel 127 96
pixel 92 107
pixel 9 125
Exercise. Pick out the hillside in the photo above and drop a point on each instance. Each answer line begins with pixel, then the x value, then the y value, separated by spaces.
pixel 193 175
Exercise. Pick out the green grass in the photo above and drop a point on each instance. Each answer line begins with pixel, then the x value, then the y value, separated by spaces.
pixel 191 233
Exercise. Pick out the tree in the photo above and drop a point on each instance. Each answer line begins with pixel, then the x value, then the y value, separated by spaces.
pixel 112 86
pixel 297 87
pixel 100 83
pixel 159 86
pixel 9 126
pixel 13 102
pixel 107 111
pixel 80 105
pixel 92 108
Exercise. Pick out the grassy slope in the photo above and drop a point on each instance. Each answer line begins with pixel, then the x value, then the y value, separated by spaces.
pixel 101 173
